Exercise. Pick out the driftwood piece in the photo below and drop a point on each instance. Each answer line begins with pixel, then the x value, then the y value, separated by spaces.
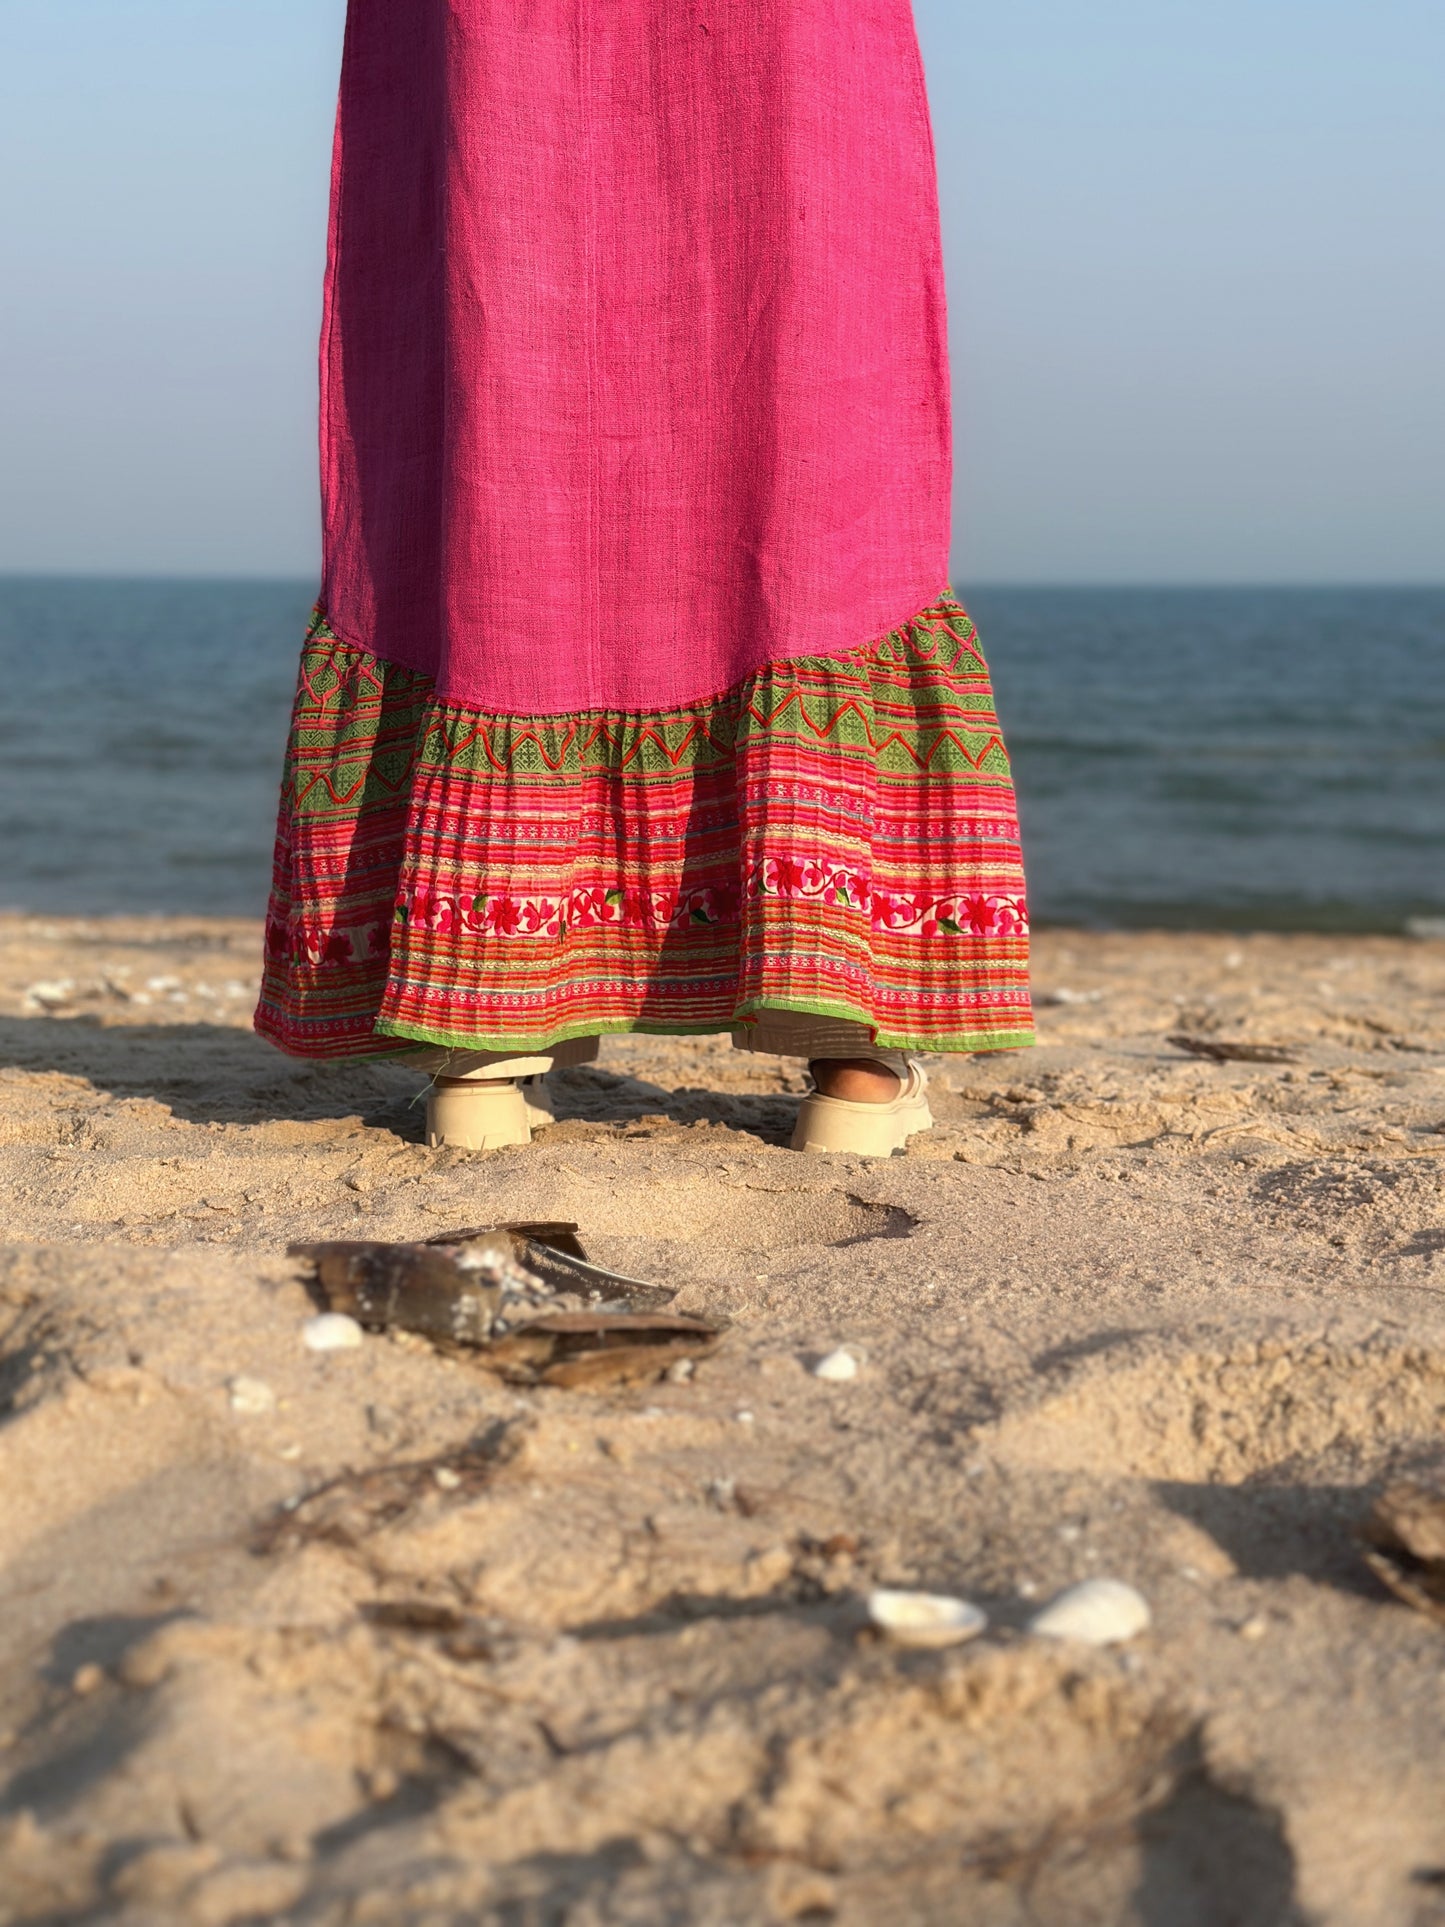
pixel 587 1350
pixel 406 1287
pixel 630 1352
pixel 471 1294
pixel 555 1234
pixel 553 1251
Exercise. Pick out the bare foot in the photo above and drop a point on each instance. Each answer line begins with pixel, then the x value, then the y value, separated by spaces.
pixel 858 1080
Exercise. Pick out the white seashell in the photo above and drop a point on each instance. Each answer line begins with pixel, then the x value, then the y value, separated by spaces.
pixel 252 1396
pixel 924 1618
pixel 50 996
pixel 838 1367
pixel 1100 1612
pixel 333 1331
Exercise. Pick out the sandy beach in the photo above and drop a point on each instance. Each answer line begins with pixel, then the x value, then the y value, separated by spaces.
pixel 376 1637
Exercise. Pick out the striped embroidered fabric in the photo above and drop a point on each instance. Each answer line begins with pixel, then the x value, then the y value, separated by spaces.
pixel 836 835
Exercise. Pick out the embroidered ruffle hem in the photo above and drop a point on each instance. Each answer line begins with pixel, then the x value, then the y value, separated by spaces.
pixel 836 835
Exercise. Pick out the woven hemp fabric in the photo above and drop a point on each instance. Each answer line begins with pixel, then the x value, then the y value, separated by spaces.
pixel 634 309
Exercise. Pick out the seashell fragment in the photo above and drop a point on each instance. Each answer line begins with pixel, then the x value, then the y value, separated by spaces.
pixel 838 1367
pixel 924 1618
pixel 50 996
pixel 1100 1612
pixel 331 1331
pixel 251 1396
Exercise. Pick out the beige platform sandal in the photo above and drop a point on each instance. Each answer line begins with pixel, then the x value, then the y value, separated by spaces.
pixel 484 1101
pixel 866 1130
pixel 471 1114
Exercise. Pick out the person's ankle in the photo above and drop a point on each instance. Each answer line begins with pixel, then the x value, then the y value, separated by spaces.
pixel 857 1080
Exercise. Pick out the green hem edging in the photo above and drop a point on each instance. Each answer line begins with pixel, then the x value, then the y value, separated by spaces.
pixel 531 1046
pixel 639 1026
pixel 888 1040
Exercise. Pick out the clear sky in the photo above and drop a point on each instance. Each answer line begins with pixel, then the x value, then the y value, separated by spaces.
pixel 1195 246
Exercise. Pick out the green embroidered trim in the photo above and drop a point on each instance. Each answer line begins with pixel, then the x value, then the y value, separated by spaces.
pixel 640 1027
pixel 806 701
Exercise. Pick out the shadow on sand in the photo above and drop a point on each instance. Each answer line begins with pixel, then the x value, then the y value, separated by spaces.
pixel 223 1074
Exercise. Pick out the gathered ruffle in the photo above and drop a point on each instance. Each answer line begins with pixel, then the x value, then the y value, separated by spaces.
pixel 837 835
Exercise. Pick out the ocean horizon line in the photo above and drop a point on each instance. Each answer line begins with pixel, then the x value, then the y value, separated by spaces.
pixel 1061 585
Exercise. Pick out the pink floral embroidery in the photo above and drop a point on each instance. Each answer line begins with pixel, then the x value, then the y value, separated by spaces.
pixel 977 916
pixel 592 907
pixel 317 948
pixel 834 884
pixel 501 914
pixel 588 907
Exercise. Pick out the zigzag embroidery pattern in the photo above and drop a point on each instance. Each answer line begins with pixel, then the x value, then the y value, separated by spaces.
pixel 337 677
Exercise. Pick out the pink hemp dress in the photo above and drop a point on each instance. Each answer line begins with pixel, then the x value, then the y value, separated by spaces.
pixel 637 304
pixel 636 698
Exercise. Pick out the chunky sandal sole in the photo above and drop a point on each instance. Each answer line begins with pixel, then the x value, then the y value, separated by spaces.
pixel 470 1116
pixel 836 1124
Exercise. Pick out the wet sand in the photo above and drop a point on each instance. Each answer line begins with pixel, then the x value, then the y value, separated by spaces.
pixel 413 1645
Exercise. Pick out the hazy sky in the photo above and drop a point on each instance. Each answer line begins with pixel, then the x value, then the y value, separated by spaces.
pixel 1197 284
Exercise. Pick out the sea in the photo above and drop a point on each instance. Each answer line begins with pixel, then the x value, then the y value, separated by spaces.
pixel 1239 759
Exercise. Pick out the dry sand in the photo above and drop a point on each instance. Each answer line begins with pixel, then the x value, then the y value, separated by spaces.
pixel 1127 1311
